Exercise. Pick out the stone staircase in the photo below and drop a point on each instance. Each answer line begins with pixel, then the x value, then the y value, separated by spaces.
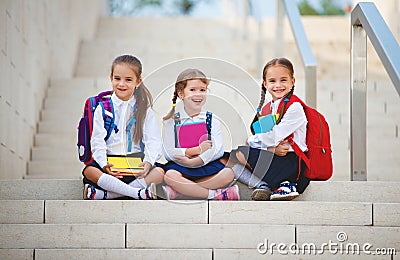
pixel 43 217
pixel 46 219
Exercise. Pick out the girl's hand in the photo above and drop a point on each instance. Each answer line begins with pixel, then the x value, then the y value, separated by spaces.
pixel 188 162
pixel 205 145
pixel 107 169
pixel 146 170
pixel 282 149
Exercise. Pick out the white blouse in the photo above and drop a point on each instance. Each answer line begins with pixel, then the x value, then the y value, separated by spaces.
pixel 117 143
pixel 217 149
pixel 293 121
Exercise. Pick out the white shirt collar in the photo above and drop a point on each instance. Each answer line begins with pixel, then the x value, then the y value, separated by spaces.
pixel 183 114
pixel 117 102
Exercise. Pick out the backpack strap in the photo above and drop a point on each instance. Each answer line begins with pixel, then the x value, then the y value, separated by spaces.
pixel 177 120
pixel 282 110
pixel 208 123
pixel 298 151
pixel 129 126
pixel 108 116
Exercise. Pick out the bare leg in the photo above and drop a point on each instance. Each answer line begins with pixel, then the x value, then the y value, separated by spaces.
pixel 156 176
pixel 92 173
pixel 217 181
pixel 242 159
pixel 184 186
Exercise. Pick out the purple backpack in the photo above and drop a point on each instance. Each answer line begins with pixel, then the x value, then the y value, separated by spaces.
pixel 85 126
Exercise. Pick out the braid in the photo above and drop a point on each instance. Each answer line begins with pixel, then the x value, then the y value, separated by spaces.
pixel 174 98
pixel 172 111
pixel 262 100
pixel 258 113
pixel 283 108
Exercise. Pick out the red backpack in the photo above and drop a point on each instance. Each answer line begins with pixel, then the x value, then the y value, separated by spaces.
pixel 318 158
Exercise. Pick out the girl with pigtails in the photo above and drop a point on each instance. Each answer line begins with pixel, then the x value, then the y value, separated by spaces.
pixel 277 172
pixel 195 171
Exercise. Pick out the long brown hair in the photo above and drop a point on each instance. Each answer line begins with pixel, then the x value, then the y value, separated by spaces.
pixel 180 85
pixel 274 62
pixel 143 97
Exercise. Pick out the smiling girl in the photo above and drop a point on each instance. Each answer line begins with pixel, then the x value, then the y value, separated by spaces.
pixel 135 131
pixel 195 171
pixel 269 155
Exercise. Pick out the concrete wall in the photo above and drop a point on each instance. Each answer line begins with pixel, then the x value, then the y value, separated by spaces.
pixel 39 40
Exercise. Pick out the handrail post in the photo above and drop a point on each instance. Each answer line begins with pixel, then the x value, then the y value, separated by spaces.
pixel 311 85
pixel 279 31
pixel 358 104
pixel 245 18
pixel 306 54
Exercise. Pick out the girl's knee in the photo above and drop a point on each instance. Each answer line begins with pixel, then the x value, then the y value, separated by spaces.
pixel 227 174
pixel 158 171
pixel 172 175
pixel 92 173
pixel 240 157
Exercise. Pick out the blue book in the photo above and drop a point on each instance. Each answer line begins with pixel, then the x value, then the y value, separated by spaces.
pixel 265 123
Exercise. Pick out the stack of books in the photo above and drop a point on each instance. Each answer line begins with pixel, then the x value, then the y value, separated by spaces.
pixel 125 165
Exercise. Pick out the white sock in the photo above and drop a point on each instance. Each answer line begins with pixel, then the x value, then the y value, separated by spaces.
pixel 211 194
pixel 138 183
pixel 112 184
pixel 245 176
pixel 99 194
pixel 113 195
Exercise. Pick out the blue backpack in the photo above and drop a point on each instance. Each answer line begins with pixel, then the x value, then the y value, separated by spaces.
pixel 85 126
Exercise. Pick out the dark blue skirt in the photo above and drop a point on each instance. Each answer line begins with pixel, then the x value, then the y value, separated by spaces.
pixel 274 169
pixel 206 170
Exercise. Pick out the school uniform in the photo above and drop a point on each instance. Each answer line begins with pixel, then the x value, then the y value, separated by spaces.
pixel 210 157
pixel 272 168
pixel 121 137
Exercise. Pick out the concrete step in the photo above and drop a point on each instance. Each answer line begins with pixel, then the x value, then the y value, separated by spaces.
pixel 108 27
pixel 193 212
pixel 71 168
pixel 57 152
pixel 321 191
pixel 107 254
pixel 206 254
pixel 219 236
pixel 54 140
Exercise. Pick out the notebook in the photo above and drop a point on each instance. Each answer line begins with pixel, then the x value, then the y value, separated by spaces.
pixel 126 165
pixel 265 123
pixel 191 134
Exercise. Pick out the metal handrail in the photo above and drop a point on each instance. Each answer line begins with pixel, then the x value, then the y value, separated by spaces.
pixel 367 21
pixel 303 46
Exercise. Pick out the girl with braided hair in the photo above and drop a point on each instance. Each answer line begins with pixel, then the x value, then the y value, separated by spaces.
pixel 268 155
pixel 195 171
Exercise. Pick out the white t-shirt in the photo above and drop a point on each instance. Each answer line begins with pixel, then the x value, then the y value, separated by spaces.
pixel 117 143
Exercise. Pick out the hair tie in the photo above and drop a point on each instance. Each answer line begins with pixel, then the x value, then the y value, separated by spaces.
pixel 286 100
pixel 258 110
pixel 173 104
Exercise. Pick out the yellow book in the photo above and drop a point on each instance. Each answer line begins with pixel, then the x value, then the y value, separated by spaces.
pixel 125 165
